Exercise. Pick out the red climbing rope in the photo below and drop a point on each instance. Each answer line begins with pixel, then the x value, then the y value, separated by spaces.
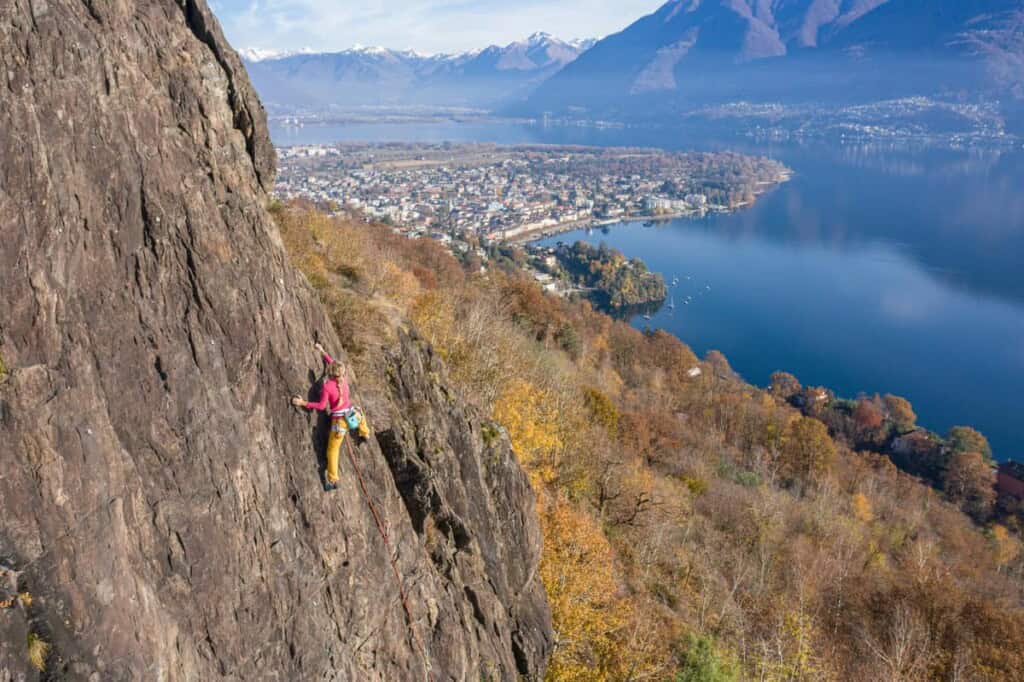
pixel 393 557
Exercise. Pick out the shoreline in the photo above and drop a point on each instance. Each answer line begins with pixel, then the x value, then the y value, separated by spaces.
pixel 531 236
pixel 563 228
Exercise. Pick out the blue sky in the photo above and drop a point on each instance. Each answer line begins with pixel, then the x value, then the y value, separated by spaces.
pixel 426 25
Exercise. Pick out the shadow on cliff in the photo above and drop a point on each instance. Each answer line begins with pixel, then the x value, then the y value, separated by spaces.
pixel 321 423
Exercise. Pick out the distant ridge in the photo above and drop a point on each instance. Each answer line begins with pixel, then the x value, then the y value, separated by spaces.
pixel 379 76
pixel 692 52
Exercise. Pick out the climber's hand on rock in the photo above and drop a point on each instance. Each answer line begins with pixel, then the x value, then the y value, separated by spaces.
pixel 298 402
pixel 320 348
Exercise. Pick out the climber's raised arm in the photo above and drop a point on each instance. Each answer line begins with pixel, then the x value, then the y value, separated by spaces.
pixel 328 360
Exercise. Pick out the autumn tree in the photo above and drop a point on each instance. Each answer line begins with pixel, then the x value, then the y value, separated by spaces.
pixel 901 412
pixel 601 409
pixel 586 611
pixel 868 418
pixel 785 385
pixel 968 481
pixel 670 355
pixel 718 362
pixel 902 648
pixel 532 420
pixel 807 450
pixel 1007 546
pixel 862 510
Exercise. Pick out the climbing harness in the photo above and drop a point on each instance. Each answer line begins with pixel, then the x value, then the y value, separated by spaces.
pixel 393 558
pixel 353 417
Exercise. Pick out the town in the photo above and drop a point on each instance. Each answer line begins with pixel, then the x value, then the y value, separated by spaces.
pixel 502 193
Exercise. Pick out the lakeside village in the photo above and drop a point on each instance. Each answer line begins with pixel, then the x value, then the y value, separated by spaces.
pixel 478 199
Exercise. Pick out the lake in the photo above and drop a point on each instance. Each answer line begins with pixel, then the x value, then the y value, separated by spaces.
pixel 879 268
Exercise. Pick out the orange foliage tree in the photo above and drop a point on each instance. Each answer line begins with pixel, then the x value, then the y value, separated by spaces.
pixel 587 612
pixel 807 450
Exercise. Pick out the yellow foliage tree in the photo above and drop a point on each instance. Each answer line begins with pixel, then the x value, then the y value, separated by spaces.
pixel 602 409
pixel 791 656
pixel 807 450
pixel 532 419
pixel 862 508
pixel 576 569
pixel 1007 546
pixel 399 285
pixel 435 319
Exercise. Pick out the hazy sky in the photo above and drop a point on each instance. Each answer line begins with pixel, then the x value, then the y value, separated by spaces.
pixel 425 25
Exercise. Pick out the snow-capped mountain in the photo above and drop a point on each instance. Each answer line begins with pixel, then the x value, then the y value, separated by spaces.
pixel 379 76
pixel 255 54
pixel 700 51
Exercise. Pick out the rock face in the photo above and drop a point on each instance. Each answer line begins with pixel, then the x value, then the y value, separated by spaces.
pixel 162 509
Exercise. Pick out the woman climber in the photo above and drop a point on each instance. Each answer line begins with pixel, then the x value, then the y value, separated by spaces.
pixel 334 399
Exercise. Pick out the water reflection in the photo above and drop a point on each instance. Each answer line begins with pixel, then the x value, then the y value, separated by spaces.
pixel 859 317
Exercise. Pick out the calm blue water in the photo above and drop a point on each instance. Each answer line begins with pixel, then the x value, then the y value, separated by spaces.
pixel 876 269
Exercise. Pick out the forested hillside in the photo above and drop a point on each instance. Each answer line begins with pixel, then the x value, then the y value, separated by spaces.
pixel 695 527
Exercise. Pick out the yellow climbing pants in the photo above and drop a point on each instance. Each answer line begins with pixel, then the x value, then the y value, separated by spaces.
pixel 334 440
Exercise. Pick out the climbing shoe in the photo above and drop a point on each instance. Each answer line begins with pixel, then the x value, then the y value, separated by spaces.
pixel 328 487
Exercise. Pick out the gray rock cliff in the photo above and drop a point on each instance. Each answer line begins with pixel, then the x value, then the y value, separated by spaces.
pixel 160 502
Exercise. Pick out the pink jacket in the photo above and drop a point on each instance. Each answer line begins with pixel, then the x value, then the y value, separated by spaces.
pixel 333 395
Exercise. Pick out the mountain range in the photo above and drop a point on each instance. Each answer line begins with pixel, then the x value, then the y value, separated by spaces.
pixel 692 52
pixel 381 77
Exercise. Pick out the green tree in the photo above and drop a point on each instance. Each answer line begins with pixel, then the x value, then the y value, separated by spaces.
pixel 569 341
pixel 965 439
pixel 701 663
